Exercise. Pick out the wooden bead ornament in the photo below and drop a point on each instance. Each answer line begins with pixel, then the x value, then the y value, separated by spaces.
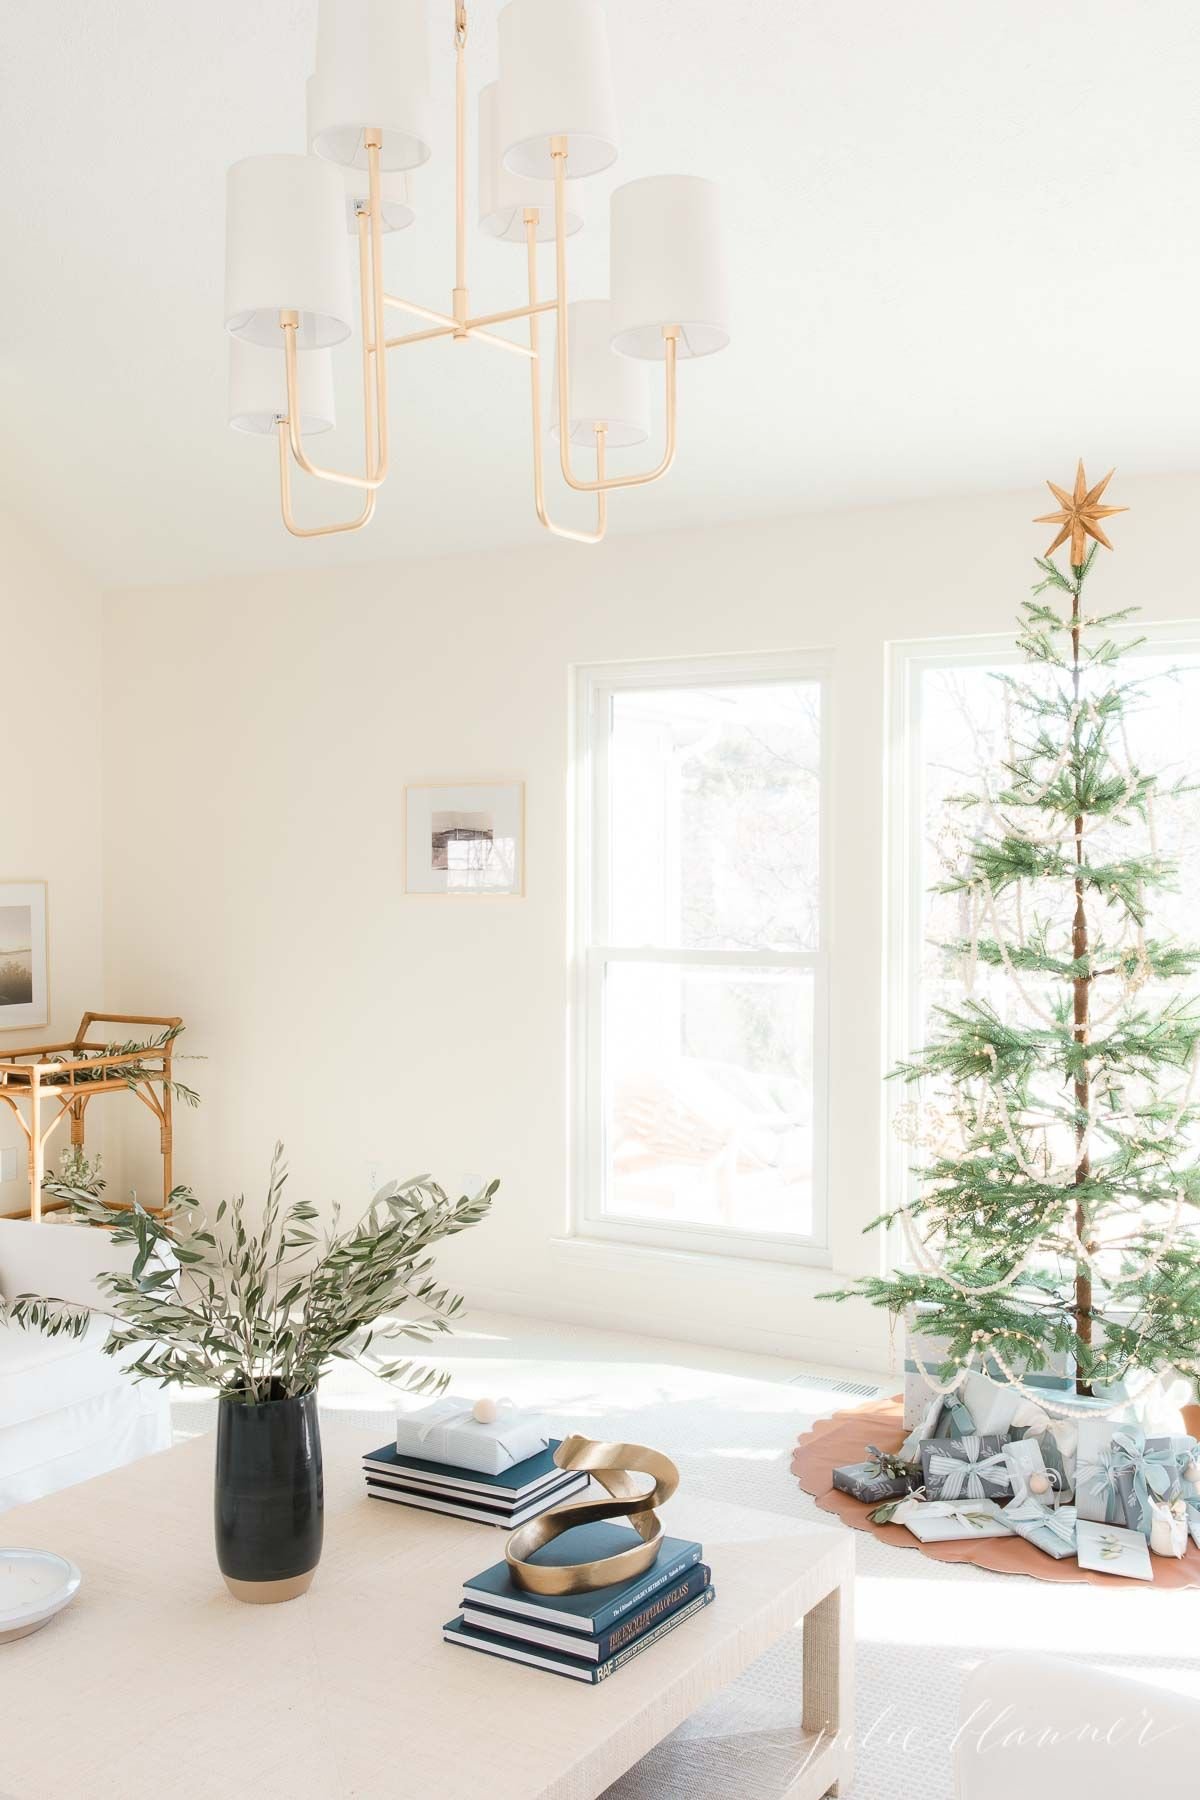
pixel 485 1412
pixel 1040 1482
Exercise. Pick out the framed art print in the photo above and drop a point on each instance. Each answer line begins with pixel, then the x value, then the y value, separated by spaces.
pixel 23 981
pixel 464 837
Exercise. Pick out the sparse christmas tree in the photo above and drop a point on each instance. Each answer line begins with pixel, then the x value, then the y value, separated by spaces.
pixel 1056 1217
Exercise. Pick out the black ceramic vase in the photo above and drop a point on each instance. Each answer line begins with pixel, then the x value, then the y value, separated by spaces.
pixel 269 1499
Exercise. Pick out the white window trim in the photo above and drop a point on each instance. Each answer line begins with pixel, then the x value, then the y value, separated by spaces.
pixel 908 661
pixel 593 686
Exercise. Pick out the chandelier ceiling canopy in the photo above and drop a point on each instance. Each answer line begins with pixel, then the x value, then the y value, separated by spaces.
pixel 548 121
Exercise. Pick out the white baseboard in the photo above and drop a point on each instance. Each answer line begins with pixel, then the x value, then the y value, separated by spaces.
pixel 867 1352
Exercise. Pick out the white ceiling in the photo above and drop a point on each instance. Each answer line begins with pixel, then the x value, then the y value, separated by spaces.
pixel 965 241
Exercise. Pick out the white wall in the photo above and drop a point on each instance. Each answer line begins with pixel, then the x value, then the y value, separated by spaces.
pixel 254 873
pixel 50 785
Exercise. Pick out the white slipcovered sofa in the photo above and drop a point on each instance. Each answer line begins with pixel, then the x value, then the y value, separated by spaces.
pixel 1047 1726
pixel 67 1411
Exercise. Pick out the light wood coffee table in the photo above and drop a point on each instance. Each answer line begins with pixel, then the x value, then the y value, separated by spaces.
pixel 155 1682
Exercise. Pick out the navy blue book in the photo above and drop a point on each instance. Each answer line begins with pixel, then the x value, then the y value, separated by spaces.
pixel 455 1632
pixel 606 1643
pixel 511 1485
pixel 593 1612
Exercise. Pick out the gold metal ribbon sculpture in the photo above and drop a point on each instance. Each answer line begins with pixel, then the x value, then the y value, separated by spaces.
pixel 609 1464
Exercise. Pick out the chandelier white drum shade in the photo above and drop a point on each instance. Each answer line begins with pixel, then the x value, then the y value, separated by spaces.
pixel 285 250
pixel 258 389
pixel 504 198
pixel 667 267
pixel 545 124
pixel 608 393
pixel 396 212
pixel 556 82
pixel 372 73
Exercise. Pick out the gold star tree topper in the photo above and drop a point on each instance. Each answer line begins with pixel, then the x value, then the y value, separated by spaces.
pixel 1080 514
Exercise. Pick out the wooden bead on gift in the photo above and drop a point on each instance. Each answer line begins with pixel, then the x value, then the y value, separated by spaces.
pixel 1039 1482
pixel 485 1412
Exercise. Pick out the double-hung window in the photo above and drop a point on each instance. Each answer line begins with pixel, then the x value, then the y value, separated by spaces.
pixel 701 933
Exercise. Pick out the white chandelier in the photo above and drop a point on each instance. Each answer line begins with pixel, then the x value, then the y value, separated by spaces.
pixel 548 120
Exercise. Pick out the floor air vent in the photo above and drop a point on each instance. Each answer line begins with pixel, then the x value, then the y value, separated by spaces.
pixel 829 1384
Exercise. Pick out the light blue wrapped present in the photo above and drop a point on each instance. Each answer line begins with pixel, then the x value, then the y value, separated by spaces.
pixel 1050 1529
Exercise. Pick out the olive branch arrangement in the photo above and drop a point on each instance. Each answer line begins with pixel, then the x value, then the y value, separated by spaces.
pixel 260 1314
pixel 132 1073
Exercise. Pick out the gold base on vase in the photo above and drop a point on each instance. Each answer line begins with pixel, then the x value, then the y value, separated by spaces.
pixel 267 1593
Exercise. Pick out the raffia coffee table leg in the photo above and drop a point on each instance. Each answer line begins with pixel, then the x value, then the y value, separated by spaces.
pixel 829 1679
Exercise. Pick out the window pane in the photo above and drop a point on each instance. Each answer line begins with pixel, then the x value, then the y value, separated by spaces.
pixel 714 810
pixel 708 1096
pixel 963 740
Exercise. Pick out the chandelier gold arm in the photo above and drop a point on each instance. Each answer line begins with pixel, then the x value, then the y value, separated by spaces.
pixel 558 152
pixel 374 360
pixel 450 327
pixel 365 516
pixel 285 498
pixel 514 312
pixel 460 165
pixel 535 388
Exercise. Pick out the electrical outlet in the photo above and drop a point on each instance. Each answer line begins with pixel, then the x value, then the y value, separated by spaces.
pixel 9 1168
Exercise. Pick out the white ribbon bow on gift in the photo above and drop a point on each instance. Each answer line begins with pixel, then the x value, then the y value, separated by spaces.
pixel 963 1476
pixel 1061 1523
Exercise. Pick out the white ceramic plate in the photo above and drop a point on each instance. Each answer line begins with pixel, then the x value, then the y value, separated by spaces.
pixel 34 1585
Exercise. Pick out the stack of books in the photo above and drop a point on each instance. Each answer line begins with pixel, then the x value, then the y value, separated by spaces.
pixel 586 1637
pixel 508 1499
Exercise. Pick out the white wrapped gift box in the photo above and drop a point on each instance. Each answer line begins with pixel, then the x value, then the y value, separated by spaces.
pixel 446 1431
pixel 922 1348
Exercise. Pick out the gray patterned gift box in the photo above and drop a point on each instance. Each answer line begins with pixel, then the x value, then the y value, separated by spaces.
pixel 879 1477
pixel 1146 1467
pixel 1120 1470
pixel 970 1468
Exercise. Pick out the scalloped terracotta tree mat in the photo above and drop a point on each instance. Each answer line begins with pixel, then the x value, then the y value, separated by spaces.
pixel 843 1438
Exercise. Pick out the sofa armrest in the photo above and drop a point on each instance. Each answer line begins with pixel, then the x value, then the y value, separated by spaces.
pixel 62 1261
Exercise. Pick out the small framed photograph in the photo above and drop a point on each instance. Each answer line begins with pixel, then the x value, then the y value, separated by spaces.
pixel 465 837
pixel 23 977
